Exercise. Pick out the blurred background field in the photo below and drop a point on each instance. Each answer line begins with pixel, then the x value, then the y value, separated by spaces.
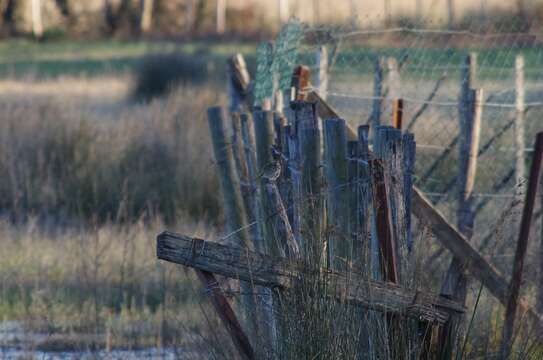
pixel 104 143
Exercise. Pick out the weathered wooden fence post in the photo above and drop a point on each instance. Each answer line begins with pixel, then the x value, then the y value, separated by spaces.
pixel 396 152
pixel 322 75
pixel 309 139
pixel 267 168
pixel 377 103
pixel 363 199
pixel 522 246
pixel 340 242
pixel 393 85
pixel 519 127
pixel 236 216
pixel 238 80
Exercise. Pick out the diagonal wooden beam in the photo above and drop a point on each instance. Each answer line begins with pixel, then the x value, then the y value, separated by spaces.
pixel 449 236
pixel 226 314
pixel 245 265
pixel 472 260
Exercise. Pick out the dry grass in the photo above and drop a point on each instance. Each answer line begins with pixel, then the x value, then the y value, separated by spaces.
pixel 71 155
pixel 83 288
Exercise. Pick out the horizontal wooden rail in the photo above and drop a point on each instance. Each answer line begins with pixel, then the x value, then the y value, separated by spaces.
pixel 245 265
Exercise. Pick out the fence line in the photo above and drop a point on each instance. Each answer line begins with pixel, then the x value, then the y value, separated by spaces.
pixel 425 32
pixel 432 102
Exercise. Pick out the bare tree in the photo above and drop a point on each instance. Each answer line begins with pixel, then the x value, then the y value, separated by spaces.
pixel 221 16
pixel 114 17
pixel 37 19
pixel 8 15
pixel 147 7
pixel 450 13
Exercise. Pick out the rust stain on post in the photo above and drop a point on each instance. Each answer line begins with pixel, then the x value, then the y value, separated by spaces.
pixel 226 314
pixel 397 113
pixel 384 223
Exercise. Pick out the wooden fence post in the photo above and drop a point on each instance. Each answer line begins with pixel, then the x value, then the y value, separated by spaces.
pixel 539 295
pixel 235 211
pixel 307 124
pixel 389 147
pixel 238 80
pixel 264 135
pixel 322 75
pixel 243 150
pixel 377 103
pixel 519 127
pixel 469 148
pixel 393 83
pixel 522 246
pixel 364 214
pixel 340 248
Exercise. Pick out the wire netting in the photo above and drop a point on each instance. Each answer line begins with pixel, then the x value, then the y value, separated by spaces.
pixel 424 67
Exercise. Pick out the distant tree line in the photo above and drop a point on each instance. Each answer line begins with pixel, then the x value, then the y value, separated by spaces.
pixel 131 18
pixel 104 17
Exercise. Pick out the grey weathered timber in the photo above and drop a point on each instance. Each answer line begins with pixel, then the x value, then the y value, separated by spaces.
pixel 224 157
pixel 377 104
pixel 236 217
pixel 387 197
pixel 322 75
pixel 472 260
pixel 239 263
pixel 363 197
pixel 398 154
pixel 519 126
pixel 309 142
pixel 522 246
pixel 408 171
pixel 263 301
pixel 238 84
pixel 294 168
pixel 340 245
pixel 354 235
pixel 249 155
pixel 270 221
pixel 241 163
pixel 266 167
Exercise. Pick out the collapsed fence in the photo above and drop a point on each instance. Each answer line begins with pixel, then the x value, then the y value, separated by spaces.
pixel 309 196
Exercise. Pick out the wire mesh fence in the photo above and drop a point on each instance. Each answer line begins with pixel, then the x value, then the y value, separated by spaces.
pixel 362 72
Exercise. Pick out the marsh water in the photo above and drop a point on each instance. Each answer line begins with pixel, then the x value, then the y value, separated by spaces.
pixel 17 344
